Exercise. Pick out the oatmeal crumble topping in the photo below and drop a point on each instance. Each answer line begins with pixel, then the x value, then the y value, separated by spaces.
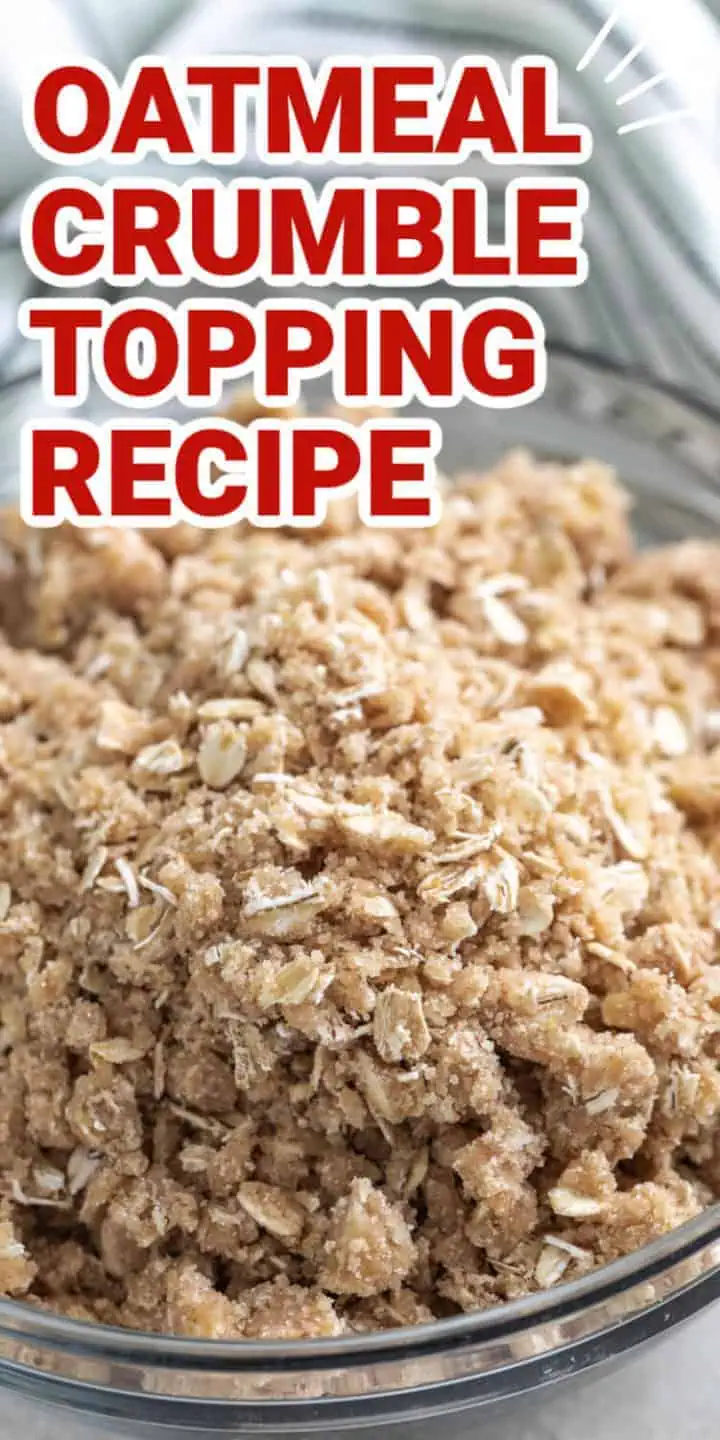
pixel 359 910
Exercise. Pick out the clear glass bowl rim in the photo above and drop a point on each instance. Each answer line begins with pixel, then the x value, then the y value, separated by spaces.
pixel 23 1324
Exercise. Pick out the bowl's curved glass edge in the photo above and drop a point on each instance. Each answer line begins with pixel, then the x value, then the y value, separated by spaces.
pixel 371 1386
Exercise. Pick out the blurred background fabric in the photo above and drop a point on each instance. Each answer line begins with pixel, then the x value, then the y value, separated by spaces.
pixel 653 232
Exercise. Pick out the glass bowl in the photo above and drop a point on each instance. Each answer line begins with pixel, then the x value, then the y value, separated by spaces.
pixel 60 1379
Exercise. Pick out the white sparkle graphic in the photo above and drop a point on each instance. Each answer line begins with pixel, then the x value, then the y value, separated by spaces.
pixel 637 91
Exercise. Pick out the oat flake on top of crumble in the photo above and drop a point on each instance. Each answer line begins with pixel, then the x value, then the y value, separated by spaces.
pixel 359 910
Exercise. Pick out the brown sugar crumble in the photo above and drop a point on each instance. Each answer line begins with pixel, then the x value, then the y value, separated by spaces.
pixel 359 910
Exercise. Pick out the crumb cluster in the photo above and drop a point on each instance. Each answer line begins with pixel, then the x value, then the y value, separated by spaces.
pixel 359 910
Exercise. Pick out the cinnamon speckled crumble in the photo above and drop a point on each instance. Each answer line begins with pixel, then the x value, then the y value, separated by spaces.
pixel 359 910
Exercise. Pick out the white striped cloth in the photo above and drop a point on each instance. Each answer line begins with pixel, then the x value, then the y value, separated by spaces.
pixel 653 297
